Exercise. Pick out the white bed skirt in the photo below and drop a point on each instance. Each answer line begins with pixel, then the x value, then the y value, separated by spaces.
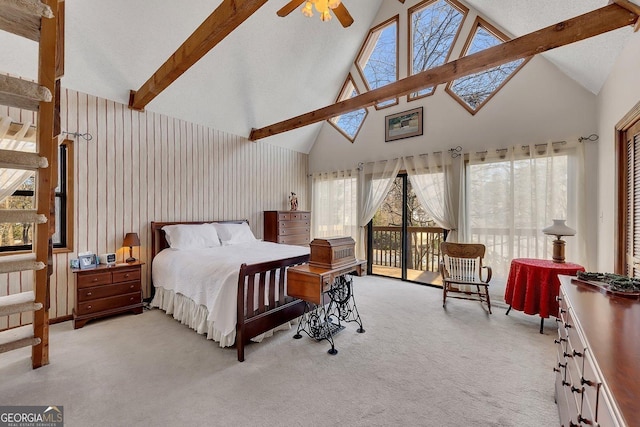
pixel 187 312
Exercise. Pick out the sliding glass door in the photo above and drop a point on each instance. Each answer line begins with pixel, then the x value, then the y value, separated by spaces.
pixel 403 241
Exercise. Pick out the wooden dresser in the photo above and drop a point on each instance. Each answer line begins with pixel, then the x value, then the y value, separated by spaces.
pixel 598 357
pixel 103 291
pixel 289 227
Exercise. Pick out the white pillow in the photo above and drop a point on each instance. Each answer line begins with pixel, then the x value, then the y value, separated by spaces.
pixel 232 234
pixel 191 236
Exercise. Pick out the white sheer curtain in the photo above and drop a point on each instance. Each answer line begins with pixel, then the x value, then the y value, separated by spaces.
pixel 11 179
pixel 334 204
pixel 512 194
pixel 431 177
pixel 375 181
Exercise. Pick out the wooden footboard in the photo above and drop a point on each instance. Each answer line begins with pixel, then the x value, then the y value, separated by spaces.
pixel 254 282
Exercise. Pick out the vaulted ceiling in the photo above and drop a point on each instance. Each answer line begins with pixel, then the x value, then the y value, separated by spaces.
pixel 270 68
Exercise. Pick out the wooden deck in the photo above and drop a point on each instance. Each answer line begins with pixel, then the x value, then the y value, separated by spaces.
pixel 429 277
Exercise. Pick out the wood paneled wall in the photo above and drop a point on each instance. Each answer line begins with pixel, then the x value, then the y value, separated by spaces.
pixel 141 167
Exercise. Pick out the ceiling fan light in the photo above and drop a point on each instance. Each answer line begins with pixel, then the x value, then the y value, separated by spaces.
pixel 334 3
pixel 322 6
pixel 307 9
pixel 325 16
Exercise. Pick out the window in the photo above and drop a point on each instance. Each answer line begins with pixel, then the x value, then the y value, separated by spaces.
pixel 19 237
pixel 377 61
pixel 473 91
pixel 433 28
pixel 511 199
pixel 335 202
pixel 349 124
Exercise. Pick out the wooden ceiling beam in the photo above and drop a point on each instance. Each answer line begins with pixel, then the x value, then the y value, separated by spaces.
pixel 631 7
pixel 226 18
pixel 582 27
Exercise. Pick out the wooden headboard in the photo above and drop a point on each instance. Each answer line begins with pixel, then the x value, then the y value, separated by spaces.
pixel 159 238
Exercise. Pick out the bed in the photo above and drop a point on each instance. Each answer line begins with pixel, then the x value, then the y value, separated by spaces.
pixel 233 293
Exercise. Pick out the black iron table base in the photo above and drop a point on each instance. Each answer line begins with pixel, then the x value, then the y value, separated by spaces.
pixel 322 322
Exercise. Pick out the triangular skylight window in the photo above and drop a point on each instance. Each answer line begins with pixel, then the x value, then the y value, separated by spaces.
pixel 378 58
pixel 475 90
pixel 434 26
pixel 349 124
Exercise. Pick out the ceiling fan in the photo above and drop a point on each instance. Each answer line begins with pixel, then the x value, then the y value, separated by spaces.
pixel 323 7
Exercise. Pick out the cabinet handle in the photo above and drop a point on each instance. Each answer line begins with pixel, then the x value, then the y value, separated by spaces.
pixel 563 311
pixel 131 299
pixel 89 294
pixel 565 383
pixel 587 382
pixel 558 298
pixel 126 275
pixel 560 365
pixel 556 370
pixel 95 279
pixel 566 325
pixel 584 420
pixel 89 307
pixel 567 354
pixel 577 353
pixel 576 390
pixel 571 424
pixel 560 340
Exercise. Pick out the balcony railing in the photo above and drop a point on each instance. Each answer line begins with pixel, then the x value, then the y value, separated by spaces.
pixel 423 247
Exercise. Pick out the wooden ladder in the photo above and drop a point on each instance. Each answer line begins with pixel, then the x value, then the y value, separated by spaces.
pixel 36 20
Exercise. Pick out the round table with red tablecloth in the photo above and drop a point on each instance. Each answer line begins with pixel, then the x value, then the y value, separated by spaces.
pixel 533 285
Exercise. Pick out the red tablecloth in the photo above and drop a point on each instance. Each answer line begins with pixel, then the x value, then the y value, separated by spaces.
pixel 533 285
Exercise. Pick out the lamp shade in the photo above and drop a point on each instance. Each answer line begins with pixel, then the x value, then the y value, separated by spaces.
pixel 559 228
pixel 131 239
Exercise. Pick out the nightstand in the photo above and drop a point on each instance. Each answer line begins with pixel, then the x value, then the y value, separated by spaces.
pixel 104 291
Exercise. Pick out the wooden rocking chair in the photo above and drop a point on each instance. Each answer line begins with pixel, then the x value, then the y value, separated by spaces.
pixel 461 269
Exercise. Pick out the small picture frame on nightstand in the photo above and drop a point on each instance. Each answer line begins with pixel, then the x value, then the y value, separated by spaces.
pixel 87 261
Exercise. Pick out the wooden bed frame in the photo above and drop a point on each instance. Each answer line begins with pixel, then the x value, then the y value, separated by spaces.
pixel 251 321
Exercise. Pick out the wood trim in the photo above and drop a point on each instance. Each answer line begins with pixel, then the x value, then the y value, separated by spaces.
pixel 340 95
pixel 46 147
pixel 453 3
pixel 226 18
pixel 582 27
pixel 631 7
pixel 60 319
pixel 60 46
pixel 363 49
pixel 481 23
pixel 620 239
pixel 70 194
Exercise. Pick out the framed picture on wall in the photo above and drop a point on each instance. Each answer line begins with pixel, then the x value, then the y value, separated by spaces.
pixel 403 125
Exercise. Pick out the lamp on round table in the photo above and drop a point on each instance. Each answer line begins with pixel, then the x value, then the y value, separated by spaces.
pixel 559 229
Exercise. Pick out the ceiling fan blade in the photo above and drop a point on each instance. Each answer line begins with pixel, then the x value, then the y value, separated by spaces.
pixel 343 15
pixel 289 7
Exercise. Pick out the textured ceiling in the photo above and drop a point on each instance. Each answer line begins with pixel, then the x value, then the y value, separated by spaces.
pixel 588 62
pixel 270 68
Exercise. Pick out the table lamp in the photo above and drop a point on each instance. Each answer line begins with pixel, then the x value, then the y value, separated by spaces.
pixel 559 229
pixel 131 240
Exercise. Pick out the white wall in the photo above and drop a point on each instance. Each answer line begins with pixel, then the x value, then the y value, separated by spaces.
pixel 539 104
pixel 619 95
pixel 141 167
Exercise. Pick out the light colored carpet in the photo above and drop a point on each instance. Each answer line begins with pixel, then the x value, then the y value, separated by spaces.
pixel 416 365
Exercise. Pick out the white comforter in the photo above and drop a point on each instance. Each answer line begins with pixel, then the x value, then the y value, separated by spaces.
pixel 209 276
